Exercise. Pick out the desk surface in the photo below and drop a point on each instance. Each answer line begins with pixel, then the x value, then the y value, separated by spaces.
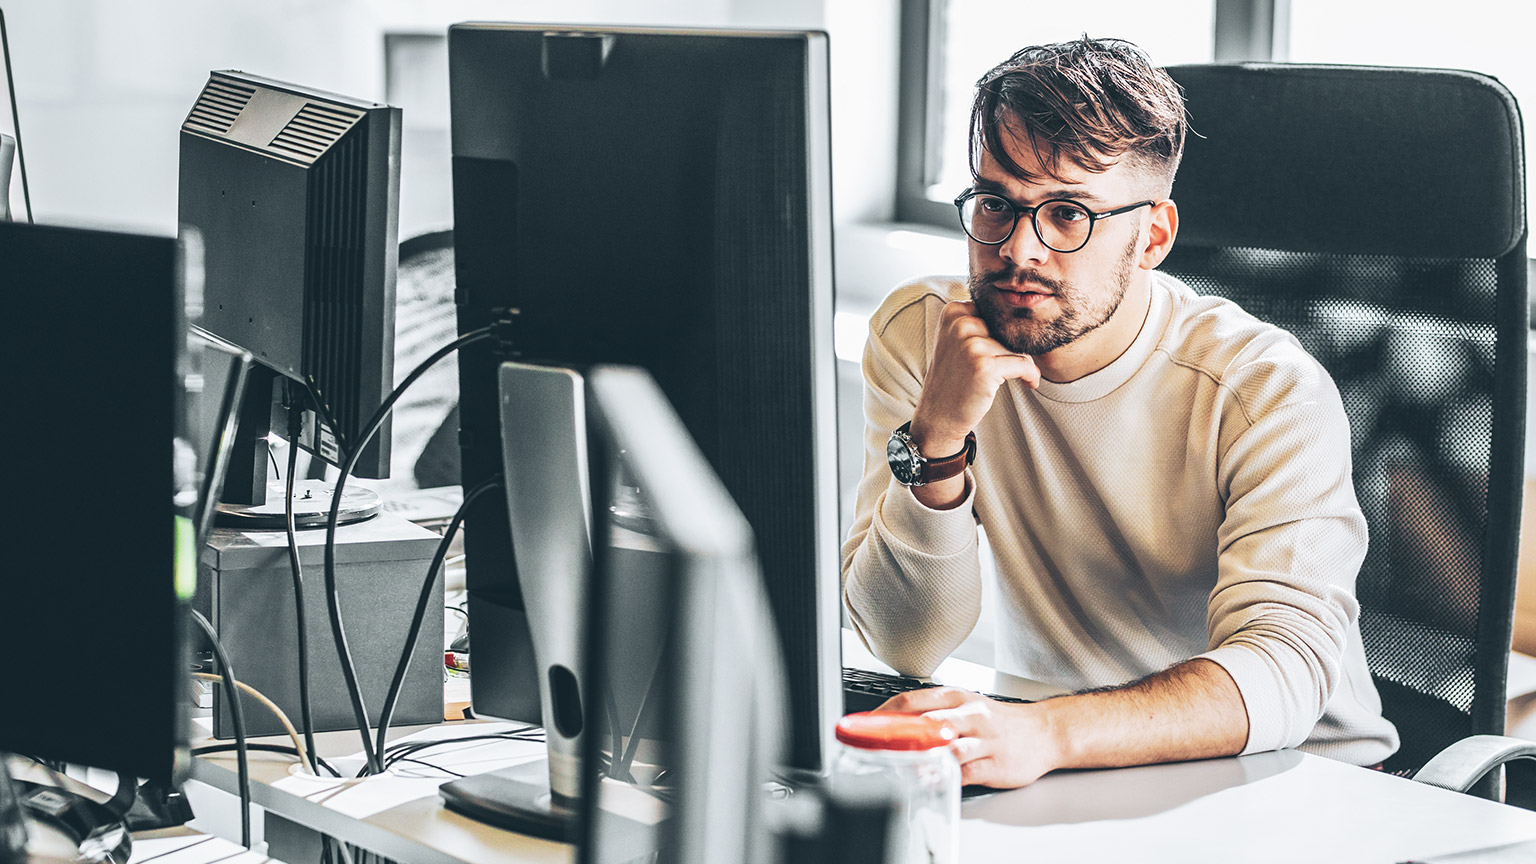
pixel 1282 807
pixel 398 815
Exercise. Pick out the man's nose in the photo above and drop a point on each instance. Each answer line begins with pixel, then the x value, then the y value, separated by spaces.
pixel 1023 246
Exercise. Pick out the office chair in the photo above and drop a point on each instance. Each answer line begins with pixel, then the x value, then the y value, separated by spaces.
pixel 1379 215
pixel 426 425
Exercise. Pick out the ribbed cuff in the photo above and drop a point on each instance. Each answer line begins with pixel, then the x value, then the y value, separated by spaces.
pixel 1268 719
pixel 936 532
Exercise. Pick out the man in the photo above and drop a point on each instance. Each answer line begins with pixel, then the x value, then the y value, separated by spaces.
pixel 1164 480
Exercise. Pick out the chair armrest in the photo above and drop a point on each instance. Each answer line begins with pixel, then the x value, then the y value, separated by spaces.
pixel 1462 764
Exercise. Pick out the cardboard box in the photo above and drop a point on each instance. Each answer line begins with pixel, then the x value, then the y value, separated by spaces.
pixel 245 587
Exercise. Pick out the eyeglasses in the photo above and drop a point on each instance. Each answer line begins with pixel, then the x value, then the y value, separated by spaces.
pixel 1062 225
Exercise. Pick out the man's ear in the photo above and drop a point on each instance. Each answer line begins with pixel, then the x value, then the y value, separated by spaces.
pixel 1160 234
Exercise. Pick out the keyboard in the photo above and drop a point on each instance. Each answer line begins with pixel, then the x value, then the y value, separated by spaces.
pixel 864 690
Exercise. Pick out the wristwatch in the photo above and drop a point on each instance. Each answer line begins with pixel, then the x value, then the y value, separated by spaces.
pixel 912 468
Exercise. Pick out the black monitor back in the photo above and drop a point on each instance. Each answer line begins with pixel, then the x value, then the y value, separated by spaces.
pixel 661 199
pixel 295 194
pixel 93 656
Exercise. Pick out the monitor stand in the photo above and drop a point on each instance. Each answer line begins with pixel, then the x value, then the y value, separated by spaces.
pixel 311 506
pixel 516 799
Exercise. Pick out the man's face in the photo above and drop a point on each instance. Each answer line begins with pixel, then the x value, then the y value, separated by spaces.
pixel 1034 299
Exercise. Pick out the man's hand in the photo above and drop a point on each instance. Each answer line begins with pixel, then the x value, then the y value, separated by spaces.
pixel 1190 711
pixel 1001 744
pixel 968 367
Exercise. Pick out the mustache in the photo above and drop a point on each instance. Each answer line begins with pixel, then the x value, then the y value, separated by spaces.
pixel 1016 276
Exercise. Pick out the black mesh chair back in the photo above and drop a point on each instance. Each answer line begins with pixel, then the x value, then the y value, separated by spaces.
pixel 1378 214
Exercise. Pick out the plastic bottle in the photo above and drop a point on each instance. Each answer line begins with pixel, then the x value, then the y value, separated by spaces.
pixel 911 751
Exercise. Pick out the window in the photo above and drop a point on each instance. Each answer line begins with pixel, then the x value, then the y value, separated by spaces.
pixel 962 39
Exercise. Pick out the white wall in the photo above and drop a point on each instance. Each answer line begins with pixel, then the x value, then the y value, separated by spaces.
pixel 103 85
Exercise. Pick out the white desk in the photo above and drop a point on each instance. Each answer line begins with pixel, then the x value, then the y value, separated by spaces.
pixel 400 815
pixel 1283 807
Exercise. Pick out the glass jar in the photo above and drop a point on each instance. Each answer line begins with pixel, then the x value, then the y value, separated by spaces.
pixel 910 752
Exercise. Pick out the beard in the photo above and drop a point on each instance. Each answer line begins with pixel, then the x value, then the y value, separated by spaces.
pixel 1024 331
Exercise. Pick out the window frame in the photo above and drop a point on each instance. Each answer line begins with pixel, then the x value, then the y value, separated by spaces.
pixel 1245 30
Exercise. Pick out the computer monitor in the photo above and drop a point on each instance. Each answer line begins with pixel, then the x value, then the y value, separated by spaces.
pixel 215 390
pixel 685 692
pixel 14 197
pixel 573 504
pixel 658 198
pixel 295 195
pixel 101 495
pixel 7 152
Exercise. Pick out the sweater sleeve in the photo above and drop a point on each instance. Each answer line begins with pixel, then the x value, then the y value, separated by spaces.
pixel 911 577
pixel 1290 548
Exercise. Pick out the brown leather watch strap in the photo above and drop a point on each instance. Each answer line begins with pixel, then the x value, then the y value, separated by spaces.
pixel 945 467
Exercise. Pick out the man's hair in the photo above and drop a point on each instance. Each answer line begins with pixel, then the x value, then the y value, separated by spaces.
pixel 1090 101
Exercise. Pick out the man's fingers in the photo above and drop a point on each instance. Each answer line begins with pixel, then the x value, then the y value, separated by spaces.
pixel 981 772
pixel 973 719
pixel 1020 366
pixel 957 309
pixel 968 750
pixel 924 700
pixel 970 328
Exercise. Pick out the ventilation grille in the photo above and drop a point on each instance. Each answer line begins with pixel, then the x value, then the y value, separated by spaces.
pixel 314 130
pixel 334 280
pixel 218 106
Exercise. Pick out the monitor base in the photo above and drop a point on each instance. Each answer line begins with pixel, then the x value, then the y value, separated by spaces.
pixel 311 506
pixel 516 799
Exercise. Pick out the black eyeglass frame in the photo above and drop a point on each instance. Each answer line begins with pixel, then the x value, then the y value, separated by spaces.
pixel 1021 212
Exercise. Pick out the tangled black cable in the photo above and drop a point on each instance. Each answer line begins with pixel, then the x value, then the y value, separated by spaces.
pixel 332 597
pixel 236 713
pixel 423 601
pixel 407 750
pixel 306 719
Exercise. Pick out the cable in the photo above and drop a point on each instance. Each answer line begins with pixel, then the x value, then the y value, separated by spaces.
pixel 293 734
pixel 266 748
pixel 21 156
pixel 634 735
pixel 324 410
pixel 126 794
pixel 295 429
pixel 407 749
pixel 615 731
pixel 232 695
pixel 342 849
pixel 430 765
pixel 422 601
pixel 332 598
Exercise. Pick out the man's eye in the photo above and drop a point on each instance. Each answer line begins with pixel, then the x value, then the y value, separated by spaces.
pixel 994 205
pixel 1068 214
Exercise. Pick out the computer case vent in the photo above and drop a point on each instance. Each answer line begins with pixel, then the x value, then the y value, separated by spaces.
pixel 219 105
pixel 315 129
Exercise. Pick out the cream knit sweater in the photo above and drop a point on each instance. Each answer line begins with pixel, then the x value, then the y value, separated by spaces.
pixel 1191 499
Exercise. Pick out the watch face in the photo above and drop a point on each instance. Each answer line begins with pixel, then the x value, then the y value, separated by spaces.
pixel 903 460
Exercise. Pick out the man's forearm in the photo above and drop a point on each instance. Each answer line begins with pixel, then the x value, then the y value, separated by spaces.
pixel 1191 711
